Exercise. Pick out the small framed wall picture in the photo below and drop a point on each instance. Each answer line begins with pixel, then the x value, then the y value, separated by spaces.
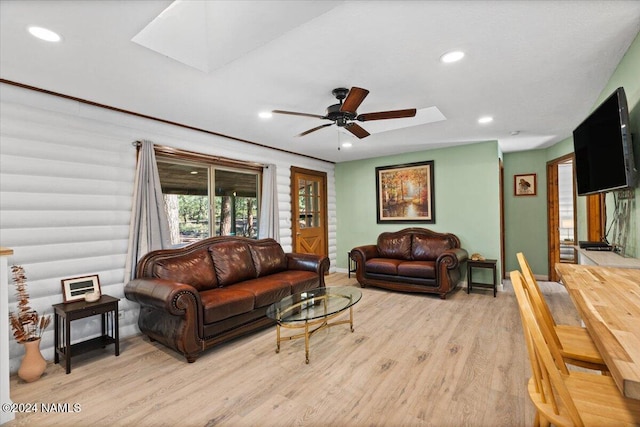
pixel 75 288
pixel 524 184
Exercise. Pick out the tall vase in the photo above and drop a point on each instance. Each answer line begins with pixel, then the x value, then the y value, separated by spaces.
pixel 33 364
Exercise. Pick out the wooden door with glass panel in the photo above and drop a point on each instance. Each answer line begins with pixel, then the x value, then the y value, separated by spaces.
pixel 309 211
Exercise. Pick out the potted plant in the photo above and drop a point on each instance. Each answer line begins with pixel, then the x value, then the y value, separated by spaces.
pixel 27 327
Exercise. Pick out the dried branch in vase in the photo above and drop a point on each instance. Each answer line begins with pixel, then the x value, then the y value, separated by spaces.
pixel 27 325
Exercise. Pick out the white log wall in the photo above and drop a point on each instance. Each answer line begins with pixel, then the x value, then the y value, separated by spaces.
pixel 66 185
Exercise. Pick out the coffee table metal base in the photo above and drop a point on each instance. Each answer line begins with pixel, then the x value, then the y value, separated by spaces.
pixel 310 327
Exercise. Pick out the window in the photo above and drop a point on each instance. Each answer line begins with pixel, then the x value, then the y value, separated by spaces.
pixel 204 199
pixel 309 203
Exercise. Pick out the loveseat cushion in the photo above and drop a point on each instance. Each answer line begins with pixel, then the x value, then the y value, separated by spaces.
pixel 195 269
pixel 232 262
pixel 268 257
pixel 429 248
pixel 422 269
pixel 222 303
pixel 396 247
pixel 382 266
pixel 266 290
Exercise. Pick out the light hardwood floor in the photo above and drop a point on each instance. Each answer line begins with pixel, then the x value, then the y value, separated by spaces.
pixel 413 360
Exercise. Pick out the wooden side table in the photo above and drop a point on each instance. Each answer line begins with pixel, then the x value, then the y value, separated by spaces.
pixel 352 265
pixel 106 306
pixel 488 264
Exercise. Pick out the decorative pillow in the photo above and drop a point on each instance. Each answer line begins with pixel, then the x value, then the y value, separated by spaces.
pixel 426 248
pixel 394 247
pixel 233 262
pixel 195 269
pixel 268 257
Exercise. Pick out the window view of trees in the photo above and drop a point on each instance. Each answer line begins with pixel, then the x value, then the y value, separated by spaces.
pixel 186 188
pixel 236 216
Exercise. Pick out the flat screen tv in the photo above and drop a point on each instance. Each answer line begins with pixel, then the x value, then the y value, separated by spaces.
pixel 603 148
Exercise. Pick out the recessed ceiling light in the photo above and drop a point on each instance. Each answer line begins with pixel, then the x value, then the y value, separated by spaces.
pixel 265 114
pixel 485 119
pixel 44 34
pixel 194 172
pixel 347 144
pixel 453 56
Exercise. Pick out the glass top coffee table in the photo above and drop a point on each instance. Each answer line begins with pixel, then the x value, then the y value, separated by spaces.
pixel 311 311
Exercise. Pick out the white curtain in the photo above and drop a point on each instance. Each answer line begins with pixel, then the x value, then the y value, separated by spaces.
pixel 269 225
pixel 149 227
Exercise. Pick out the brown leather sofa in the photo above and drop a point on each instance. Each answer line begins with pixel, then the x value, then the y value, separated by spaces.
pixel 411 260
pixel 214 290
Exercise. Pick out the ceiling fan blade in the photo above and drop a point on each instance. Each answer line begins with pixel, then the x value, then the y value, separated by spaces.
pixel 382 115
pixel 293 113
pixel 356 130
pixel 307 132
pixel 354 99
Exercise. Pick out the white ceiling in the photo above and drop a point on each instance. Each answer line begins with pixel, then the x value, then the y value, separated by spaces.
pixel 537 67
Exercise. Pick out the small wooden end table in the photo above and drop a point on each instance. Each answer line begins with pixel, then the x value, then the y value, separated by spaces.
pixel 106 306
pixel 488 264
pixel 352 265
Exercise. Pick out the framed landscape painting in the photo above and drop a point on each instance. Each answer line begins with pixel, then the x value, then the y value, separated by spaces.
pixel 404 193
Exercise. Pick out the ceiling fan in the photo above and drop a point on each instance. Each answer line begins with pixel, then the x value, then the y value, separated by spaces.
pixel 344 113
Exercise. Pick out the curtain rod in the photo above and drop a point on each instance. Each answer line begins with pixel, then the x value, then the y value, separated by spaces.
pixel 171 151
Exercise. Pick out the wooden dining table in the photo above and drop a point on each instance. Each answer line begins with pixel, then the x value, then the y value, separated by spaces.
pixel 608 301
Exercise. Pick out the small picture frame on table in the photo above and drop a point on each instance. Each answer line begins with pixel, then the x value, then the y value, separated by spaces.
pixel 524 184
pixel 74 289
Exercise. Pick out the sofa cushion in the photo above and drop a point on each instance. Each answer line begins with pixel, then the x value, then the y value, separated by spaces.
pixel 429 248
pixel 299 280
pixel 382 266
pixel 266 290
pixel 396 247
pixel 232 262
pixel 421 269
pixel 222 303
pixel 268 257
pixel 195 269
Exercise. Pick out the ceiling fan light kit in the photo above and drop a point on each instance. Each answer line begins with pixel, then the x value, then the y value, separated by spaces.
pixel 344 114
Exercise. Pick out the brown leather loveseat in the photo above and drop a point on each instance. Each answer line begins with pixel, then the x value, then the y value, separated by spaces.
pixel 411 260
pixel 211 291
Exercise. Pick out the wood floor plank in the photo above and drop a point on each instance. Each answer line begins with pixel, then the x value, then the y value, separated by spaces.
pixel 413 360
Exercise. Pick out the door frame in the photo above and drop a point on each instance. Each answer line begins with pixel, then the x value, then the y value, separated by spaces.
pixel 595 217
pixel 553 214
pixel 502 225
pixel 325 205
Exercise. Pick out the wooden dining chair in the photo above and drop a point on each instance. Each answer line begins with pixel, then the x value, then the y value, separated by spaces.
pixel 563 397
pixel 574 342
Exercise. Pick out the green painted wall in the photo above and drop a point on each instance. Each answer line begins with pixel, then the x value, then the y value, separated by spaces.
pixel 526 216
pixel 466 198
pixel 467 201
pixel 625 75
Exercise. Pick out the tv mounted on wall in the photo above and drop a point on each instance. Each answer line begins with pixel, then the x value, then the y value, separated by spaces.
pixel 603 148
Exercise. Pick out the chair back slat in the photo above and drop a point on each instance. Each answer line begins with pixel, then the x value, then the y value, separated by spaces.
pixel 537 298
pixel 551 378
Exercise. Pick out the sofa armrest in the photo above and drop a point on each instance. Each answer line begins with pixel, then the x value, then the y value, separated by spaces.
pixel 452 258
pixel 308 262
pixel 362 253
pixel 162 294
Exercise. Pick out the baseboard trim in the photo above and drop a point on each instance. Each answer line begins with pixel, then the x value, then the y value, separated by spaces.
pixel 463 283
